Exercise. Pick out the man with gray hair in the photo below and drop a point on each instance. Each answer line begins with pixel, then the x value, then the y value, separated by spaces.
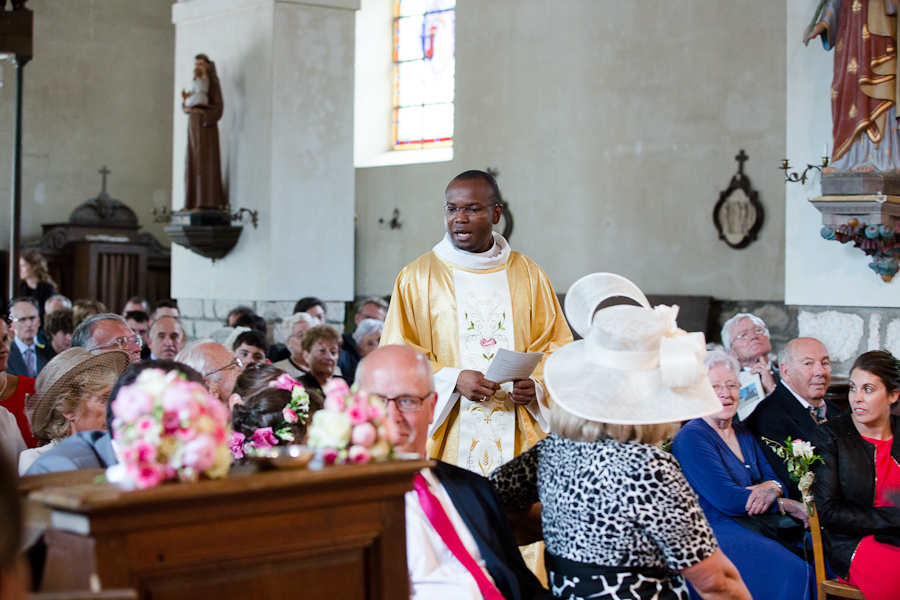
pixel 746 338
pixel 373 307
pixel 217 364
pixel 55 302
pixel 107 332
pixel 358 345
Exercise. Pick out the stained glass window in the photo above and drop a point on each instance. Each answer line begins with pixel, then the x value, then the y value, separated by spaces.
pixel 424 72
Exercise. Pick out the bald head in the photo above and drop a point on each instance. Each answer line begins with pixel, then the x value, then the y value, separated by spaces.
pixel 395 372
pixel 806 367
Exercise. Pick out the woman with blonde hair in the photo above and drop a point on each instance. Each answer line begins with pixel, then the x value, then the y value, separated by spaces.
pixel 619 519
pixel 84 309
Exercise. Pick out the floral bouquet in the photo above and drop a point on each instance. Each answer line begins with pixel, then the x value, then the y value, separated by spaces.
pixel 352 427
pixel 799 457
pixel 263 438
pixel 168 428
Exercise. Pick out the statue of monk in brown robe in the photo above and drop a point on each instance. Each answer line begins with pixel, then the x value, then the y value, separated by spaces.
pixel 203 170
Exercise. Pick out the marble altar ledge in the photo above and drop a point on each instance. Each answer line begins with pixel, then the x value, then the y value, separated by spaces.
pixel 188 10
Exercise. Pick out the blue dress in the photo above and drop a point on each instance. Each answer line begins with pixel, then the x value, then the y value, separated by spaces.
pixel 720 478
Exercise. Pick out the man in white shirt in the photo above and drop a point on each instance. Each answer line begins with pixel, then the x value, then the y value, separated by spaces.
pixel 486 562
pixel 26 355
pixel 798 403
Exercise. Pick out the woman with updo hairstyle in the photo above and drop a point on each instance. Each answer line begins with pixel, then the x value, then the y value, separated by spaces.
pixel 861 450
pixel 252 380
pixel 86 308
pixel 34 278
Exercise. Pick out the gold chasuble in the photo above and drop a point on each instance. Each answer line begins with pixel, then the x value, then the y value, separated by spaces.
pixel 452 305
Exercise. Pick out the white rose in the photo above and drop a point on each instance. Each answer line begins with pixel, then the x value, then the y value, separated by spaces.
pixel 330 429
pixel 802 449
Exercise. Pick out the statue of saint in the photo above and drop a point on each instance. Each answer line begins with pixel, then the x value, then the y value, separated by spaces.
pixel 864 90
pixel 203 170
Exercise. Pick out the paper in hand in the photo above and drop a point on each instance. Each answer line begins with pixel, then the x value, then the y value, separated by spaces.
pixel 509 365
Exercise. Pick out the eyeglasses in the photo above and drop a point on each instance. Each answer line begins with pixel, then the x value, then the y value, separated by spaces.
pixel 26 319
pixel 745 335
pixel 729 386
pixel 235 363
pixel 469 211
pixel 407 404
pixel 122 343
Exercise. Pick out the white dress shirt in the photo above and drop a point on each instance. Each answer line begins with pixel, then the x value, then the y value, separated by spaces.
pixel 434 573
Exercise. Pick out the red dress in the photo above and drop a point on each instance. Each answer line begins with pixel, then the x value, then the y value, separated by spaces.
pixel 16 405
pixel 874 568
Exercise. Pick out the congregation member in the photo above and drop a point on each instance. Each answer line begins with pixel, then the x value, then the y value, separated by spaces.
pixel 746 337
pixel 250 346
pixel 164 308
pixel 34 279
pixel 358 345
pixel 619 519
pixel 139 321
pixel 136 304
pixel 13 574
pixel 740 494
pixel 236 313
pixel 27 356
pixel 860 453
pixel 321 349
pixel 474 270
pixel 13 391
pixel 312 306
pixel 252 380
pixel 94 449
pixel 87 308
pixel 70 397
pixel 59 325
pixel 459 543
pixel 55 302
pixel 798 403
pixel 218 366
pixel 290 332
pixel 166 338
pixel 107 332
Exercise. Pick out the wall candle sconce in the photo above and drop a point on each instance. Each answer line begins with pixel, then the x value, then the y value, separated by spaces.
pixel 793 177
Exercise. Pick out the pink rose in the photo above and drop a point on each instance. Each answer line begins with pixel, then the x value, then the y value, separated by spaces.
pixel 357 414
pixel 336 387
pixel 170 423
pixel 289 415
pixel 285 382
pixel 236 444
pixel 146 475
pixel 335 404
pixel 132 403
pixel 358 455
pixel 364 435
pixel 145 452
pixel 488 343
pixel 263 438
pixel 376 411
pixel 199 453
pixel 177 396
pixel 218 411
pixel 330 455
pixel 145 425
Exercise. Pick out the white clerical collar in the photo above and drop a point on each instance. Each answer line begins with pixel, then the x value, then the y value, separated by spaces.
pixel 496 256
pixel 799 398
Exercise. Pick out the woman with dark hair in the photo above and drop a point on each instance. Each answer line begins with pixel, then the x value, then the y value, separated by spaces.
pixel 252 380
pixel 861 450
pixel 35 280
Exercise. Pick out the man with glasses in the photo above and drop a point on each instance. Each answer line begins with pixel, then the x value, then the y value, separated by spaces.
pixel 459 543
pixel 107 332
pixel 27 356
pixel 746 338
pixel 217 364
pixel 459 304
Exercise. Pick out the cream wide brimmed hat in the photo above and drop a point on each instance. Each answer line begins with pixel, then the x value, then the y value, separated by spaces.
pixel 634 365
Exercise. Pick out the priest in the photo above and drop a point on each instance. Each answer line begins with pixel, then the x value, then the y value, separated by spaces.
pixel 459 304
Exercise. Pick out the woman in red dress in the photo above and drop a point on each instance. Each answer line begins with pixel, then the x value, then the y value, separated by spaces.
pixel 13 388
pixel 861 524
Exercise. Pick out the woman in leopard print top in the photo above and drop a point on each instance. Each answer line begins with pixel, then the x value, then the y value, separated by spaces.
pixel 619 519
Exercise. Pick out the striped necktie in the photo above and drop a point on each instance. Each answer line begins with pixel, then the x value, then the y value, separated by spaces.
pixel 29 363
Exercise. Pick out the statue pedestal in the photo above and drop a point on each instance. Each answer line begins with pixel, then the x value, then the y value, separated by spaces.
pixel 286 142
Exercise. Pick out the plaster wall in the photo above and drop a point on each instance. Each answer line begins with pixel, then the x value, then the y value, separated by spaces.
pixel 614 126
pixel 96 92
pixel 817 272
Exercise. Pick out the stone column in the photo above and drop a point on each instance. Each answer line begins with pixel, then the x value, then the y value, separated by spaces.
pixel 286 72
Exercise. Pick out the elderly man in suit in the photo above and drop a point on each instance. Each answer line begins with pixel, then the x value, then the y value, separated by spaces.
pixel 798 403
pixel 746 338
pixel 459 543
pixel 27 356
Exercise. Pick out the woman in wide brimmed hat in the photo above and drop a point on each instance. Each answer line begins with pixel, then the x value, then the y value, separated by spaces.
pixel 619 518
pixel 70 396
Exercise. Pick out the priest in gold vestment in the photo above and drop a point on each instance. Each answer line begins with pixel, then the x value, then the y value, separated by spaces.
pixel 458 304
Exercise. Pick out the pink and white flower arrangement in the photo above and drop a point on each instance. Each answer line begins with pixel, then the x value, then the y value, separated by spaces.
pixel 168 428
pixel 352 427
pixel 263 438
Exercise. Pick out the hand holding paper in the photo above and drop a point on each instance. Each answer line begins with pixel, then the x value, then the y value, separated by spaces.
pixel 509 365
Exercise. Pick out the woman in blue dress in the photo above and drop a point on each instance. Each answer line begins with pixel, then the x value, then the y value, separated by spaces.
pixel 727 469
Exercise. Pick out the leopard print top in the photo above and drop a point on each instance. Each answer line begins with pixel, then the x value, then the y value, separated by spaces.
pixel 608 503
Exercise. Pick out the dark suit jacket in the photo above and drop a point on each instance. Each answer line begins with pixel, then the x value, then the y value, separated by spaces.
pixel 15 364
pixel 83 450
pixel 350 357
pixel 778 417
pixel 480 508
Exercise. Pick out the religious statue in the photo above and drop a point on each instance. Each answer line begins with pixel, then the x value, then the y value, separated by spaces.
pixel 864 90
pixel 203 170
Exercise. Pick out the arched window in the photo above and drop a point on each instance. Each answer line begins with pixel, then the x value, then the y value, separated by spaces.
pixel 424 73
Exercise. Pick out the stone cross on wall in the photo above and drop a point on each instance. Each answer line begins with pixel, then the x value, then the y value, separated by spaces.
pixel 104 171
